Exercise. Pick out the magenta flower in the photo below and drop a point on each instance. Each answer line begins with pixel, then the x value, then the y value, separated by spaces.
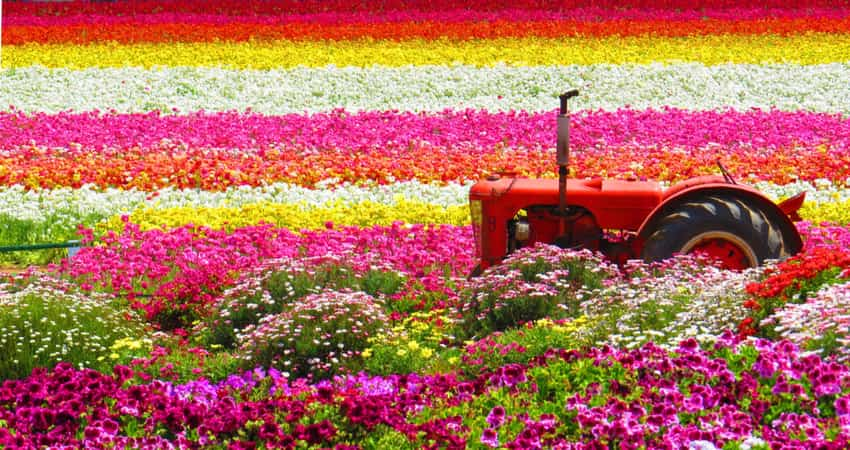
pixel 842 405
pixel 496 417
pixel 490 438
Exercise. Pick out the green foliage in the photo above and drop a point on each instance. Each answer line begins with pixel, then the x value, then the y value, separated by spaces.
pixel 45 322
pixel 747 444
pixel 543 281
pixel 168 356
pixel 383 437
pixel 827 344
pixel 564 378
pixel 739 361
pixel 803 288
pixel 412 346
pixel 665 303
pixel 322 335
pixel 521 345
pixel 57 226
pixel 398 356
pixel 274 291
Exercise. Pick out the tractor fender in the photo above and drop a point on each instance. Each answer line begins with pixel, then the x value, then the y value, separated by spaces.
pixel 715 185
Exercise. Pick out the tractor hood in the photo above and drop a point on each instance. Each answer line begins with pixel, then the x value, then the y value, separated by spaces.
pixel 617 193
pixel 492 187
pixel 616 204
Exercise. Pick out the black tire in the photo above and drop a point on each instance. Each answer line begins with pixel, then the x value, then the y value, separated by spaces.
pixel 724 219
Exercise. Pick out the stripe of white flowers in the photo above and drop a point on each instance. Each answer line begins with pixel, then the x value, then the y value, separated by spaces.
pixel 70 205
pixel 428 88
pixel 74 204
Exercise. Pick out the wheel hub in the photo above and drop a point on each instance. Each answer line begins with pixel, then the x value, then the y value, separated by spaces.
pixel 732 252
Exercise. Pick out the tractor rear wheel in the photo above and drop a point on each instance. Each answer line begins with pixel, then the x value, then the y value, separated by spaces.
pixel 729 228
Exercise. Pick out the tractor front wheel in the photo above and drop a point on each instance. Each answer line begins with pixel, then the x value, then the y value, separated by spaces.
pixel 728 228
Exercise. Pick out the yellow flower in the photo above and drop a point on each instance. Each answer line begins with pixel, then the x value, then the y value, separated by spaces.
pixel 545 322
pixel 809 48
pixel 114 356
pixel 401 352
pixel 292 216
pixel 426 352
pixel 413 345
pixel 128 343
pixel 837 212
pixel 572 326
pixel 366 353
pixel 581 320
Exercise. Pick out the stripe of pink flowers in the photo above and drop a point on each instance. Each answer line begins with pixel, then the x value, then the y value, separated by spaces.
pixel 206 257
pixel 335 18
pixel 237 7
pixel 450 129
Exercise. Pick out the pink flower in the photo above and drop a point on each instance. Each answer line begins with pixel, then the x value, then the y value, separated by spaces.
pixel 490 438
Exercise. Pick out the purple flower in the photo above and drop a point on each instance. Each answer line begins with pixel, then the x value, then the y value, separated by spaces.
pixel 528 438
pixel 269 431
pixel 694 403
pixel 764 367
pixel 496 417
pixel 688 346
pixel 823 389
pixel 490 438
pixel 109 426
pixel 842 405
pixel 509 375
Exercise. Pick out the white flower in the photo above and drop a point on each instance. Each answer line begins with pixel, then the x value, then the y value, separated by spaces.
pixel 424 88
pixel 88 204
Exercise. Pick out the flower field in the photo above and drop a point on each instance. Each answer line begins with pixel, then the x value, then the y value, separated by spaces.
pixel 272 200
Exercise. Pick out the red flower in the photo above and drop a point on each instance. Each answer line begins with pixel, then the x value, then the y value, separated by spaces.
pixel 752 304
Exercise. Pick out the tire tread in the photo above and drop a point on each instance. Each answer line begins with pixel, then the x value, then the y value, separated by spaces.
pixel 715 212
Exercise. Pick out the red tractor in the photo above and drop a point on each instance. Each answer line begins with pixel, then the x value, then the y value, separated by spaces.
pixel 709 214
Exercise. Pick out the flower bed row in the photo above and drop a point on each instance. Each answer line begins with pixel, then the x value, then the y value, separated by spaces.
pixel 274 311
pixel 191 264
pixel 40 205
pixel 174 166
pixel 249 299
pixel 428 88
pixel 806 49
pixel 295 216
pixel 298 216
pixel 188 267
pixel 458 25
pixel 735 394
pixel 180 269
pixel 235 7
pixel 447 17
pixel 752 130
pixel 39 216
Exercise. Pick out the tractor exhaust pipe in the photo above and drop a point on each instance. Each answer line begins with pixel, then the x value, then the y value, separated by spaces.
pixel 563 157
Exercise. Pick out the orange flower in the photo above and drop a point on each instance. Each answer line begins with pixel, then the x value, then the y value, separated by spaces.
pixel 132 33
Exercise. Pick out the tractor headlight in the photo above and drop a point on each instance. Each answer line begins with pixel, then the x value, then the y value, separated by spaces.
pixel 475 211
pixel 522 231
